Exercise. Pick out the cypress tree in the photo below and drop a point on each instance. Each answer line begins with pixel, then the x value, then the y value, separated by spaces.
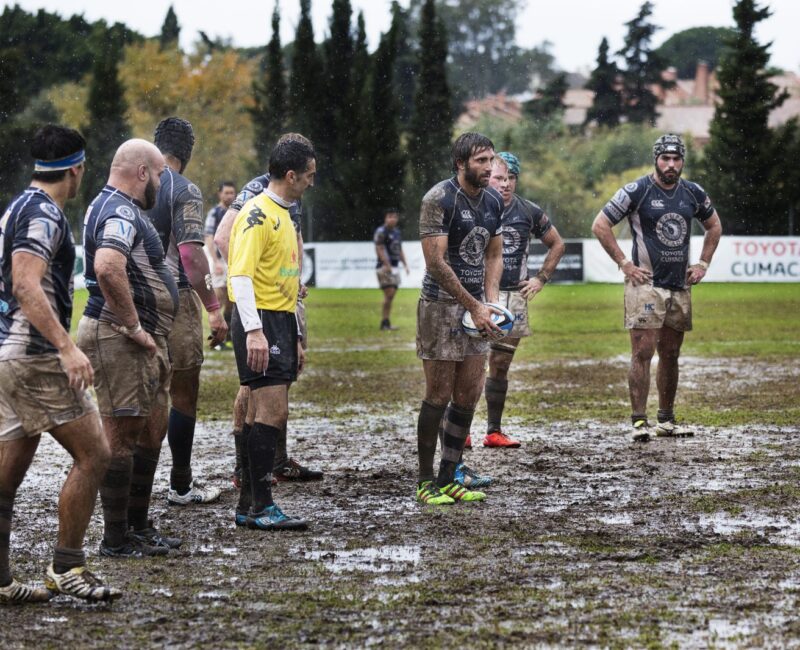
pixel 744 157
pixel 269 93
pixel 432 121
pixel 306 76
pixel 107 128
pixel 550 100
pixel 380 162
pixel 643 67
pixel 170 30
pixel 405 63
pixel 606 106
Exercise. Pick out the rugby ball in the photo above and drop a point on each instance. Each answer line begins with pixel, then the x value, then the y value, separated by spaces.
pixel 504 320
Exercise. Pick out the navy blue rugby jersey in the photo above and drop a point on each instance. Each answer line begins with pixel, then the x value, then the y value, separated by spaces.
pixel 522 219
pixel 392 242
pixel 178 218
pixel 258 185
pixel 34 223
pixel 661 225
pixel 213 219
pixel 469 223
pixel 115 220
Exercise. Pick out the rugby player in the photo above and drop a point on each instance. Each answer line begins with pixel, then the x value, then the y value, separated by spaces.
pixel 133 298
pixel 263 279
pixel 459 227
pixel 658 280
pixel 522 219
pixel 286 467
pixel 219 275
pixel 178 219
pixel 389 248
pixel 43 375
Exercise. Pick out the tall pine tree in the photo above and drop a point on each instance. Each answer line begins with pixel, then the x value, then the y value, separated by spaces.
pixel 549 101
pixel 744 157
pixel 432 121
pixel 643 68
pixel 107 128
pixel 405 64
pixel 170 30
pixel 606 108
pixel 269 93
pixel 306 77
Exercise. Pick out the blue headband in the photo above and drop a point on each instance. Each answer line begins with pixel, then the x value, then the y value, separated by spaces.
pixel 511 161
pixel 61 164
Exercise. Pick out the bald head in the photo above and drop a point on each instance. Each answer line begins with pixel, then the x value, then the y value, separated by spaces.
pixel 135 170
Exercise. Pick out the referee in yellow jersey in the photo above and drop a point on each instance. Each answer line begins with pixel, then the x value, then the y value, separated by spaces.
pixel 263 283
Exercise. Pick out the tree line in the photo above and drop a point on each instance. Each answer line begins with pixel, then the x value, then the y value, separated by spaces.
pixel 382 121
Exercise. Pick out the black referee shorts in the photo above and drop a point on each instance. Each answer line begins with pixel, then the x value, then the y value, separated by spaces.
pixel 280 329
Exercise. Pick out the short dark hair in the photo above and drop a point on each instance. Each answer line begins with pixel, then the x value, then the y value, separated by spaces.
pixel 52 142
pixel 391 210
pixel 175 136
pixel 467 144
pixel 290 155
pixel 225 184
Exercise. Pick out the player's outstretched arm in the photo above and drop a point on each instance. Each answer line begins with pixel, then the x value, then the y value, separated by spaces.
pixel 494 268
pixel 27 271
pixel 555 251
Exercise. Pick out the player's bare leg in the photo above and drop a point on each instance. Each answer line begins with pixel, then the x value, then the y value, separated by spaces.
pixel 388 298
pixel 643 347
pixel 667 373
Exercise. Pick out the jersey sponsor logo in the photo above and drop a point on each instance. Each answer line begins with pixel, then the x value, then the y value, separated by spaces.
pixel 277 223
pixel 255 218
pixel 195 191
pixel 622 200
pixel 255 187
pixel 275 350
pixel 511 240
pixel 286 272
pixel 658 204
pixel 671 230
pixel 125 212
pixel 119 230
pixel 650 307
pixel 50 210
pixel 631 187
pixel 467 215
pixel 471 249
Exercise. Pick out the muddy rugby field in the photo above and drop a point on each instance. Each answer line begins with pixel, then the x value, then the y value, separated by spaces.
pixel 586 540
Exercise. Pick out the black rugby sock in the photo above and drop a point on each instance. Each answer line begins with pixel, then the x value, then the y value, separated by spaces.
pixel 6 511
pixel 427 432
pixel 145 461
pixel 180 435
pixel 281 454
pixel 114 494
pixel 666 415
pixel 65 559
pixel 495 392
pixel 243 459
pixel 457 421
pixel 261 447
pixel 635 418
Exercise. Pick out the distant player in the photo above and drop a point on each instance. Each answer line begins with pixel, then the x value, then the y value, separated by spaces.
pixel 263 279
pixel 389 248
pixel 43 374
pixel 133 298
pixel 658 281
pixel 219 270
pixel 178 218
pixel 286 467
pixel 521 221
pixel 459 227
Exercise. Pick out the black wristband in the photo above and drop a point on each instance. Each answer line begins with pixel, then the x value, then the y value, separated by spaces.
pixel 542 277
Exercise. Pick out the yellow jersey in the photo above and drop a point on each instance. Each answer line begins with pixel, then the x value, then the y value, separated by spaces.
pixel 263 247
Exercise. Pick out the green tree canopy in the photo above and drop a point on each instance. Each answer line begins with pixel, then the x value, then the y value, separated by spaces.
pixel 606 109
pixel 269 94
pixel 684 49
pixel 170 29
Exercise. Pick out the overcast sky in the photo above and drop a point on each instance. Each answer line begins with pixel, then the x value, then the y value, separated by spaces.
pixel 574 27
